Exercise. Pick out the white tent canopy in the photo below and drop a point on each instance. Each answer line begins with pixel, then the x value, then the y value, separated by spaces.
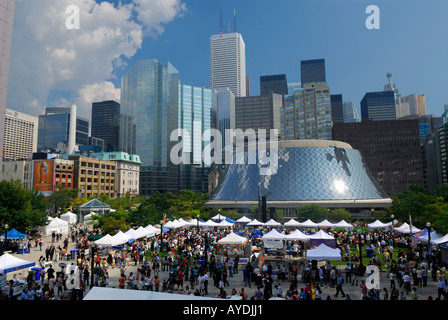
pixel 440 240
pixel 232 238
pixel 321 235
pixel 343 224
pixel 121 238
pixel 70 217
pixel 378 225
pixel 271 223
pixel 273 235
pixel 323 252
pixel 224 224
pixel 255 222
pixel 56 225
pixel 143 232
pixel 107 241
pixel 297 235
pixel 406 229
pixel 308 224
pixel 10 263
pixel 325 224
pixel 151 228
pixel 210 224
pixel 219 217
pixel 243 220
pixel 171 225
pixel 292 223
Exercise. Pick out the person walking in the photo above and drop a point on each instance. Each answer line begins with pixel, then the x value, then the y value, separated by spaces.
pixel 339 282
pixel 441 288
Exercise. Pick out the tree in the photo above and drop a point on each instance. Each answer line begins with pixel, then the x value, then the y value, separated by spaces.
pixel 21 208
pixel 61 199
pixel 313 212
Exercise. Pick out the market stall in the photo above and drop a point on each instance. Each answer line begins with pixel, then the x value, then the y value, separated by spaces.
pixel 70 217
pixel 323 252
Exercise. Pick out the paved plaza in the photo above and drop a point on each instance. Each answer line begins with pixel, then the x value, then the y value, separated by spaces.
pixel 235 282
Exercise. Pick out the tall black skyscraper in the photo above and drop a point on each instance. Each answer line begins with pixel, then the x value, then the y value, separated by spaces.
pixel 337 108
pixel 273 83
pixel 378 106
pixel 106 123
pixel 312 71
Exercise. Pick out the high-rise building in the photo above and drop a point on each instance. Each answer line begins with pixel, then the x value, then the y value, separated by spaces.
pixel 378 106
pixel 390 86
pixel 391 149
pixel 6 26
pixel 197 115
pixel 411 105
pixel 228 63
pixel 337 108
pixel 350 112
pixel 20 135
pixel 149 114
pixel 54 130
pixel 273 83
pixel 258 112
pixel 225 111
pixel 106 123
pixel 312 71
pixel 307 113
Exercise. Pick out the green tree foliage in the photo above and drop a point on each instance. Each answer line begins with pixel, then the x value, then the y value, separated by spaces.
pixel 111 222
pixel 313 212
pixel 21 208
pixel 61 199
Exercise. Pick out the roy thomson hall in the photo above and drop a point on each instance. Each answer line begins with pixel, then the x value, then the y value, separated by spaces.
pixel 328 173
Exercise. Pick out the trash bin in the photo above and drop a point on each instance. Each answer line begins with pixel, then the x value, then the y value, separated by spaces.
pixel 38 272
pixel 73 254
pixel 369 252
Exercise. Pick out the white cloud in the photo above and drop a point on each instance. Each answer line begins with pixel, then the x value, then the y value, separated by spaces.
pixel 51 64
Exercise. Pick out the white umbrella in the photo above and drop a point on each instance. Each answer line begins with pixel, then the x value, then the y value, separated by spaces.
pixel 255 222
pixel 292 223
pixel 297 235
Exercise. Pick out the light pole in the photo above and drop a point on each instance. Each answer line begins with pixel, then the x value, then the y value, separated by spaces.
pixel 92 259
pixel 361 265
pixel 428 227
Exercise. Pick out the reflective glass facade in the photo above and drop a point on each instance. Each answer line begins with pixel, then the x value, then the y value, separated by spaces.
pixel 149 113
pixel 303 174
pixel 197 115
pixel 106 123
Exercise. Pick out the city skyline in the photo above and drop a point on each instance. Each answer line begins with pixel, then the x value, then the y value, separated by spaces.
pixel 277 37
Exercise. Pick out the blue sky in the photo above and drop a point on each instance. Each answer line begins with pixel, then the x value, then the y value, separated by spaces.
pixel 411 43
pixel 53 66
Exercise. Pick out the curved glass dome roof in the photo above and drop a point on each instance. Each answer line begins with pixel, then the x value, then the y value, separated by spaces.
pixel 307 172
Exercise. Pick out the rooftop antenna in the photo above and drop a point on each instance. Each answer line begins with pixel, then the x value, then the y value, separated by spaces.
pixel 220 21
pixel 234 20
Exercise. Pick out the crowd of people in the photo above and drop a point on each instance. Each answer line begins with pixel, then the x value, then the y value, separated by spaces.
pixel 189 261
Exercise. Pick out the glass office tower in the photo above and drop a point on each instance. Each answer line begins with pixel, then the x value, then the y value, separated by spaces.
pixel 149 113
pixel 53 131
pixel 197 115
pixel 378 106
pixel 312 71
pixel 106 123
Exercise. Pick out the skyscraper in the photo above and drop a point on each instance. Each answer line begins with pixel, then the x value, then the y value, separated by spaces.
pixel 350 112
pixel 228 63
pixel 410 105
pixel 149 114
pixel 106 123
pixel 337 108
pixel 20 140
pixel 197 115
pixel 258 112
pixel 6 25
pixel 307 113
pixel 273 83
pixel 54 128
pixel 312 71
pixel 378 106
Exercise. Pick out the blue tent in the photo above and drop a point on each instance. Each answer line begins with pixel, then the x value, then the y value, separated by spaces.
pixel 230 220
pixel 13 234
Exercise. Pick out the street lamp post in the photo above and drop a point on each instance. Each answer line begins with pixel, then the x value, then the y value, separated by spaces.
pixel 92 258
pixel 428 227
